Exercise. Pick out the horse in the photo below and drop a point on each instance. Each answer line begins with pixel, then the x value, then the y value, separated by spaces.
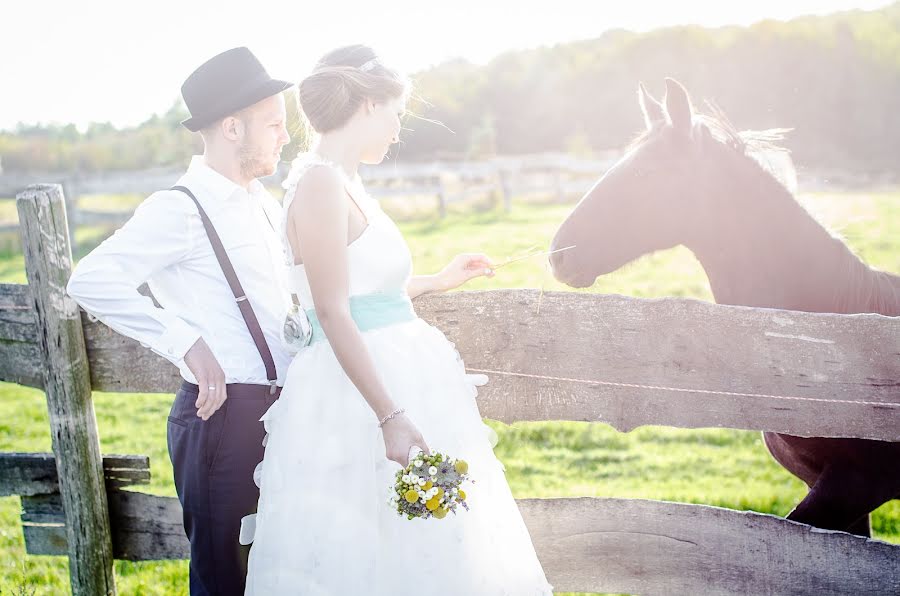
pixel 692 179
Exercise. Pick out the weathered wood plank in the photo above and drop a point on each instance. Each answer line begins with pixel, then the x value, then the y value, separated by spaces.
pixel 20 362
pixel 73 427
pixel 45 539
pixel 144 527
pixel 668 347
pixel 20 356
pixel 147 527
pixel 608 545
pixel 121 365
pixel 17 321
pixel 639 358
pixel 29 474
pixel 43 509
pixel 653 547
pixel 675 343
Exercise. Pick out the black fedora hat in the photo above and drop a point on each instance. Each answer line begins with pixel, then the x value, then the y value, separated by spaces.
pixel 225 84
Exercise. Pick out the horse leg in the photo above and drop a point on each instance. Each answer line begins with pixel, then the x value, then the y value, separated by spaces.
pixel 841 499
pixel 862 526
pixel 848 478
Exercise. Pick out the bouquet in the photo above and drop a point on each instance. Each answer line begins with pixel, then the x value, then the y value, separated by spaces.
pixel 430 486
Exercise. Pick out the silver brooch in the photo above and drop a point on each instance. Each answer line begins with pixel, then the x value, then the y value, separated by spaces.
pixel 297 330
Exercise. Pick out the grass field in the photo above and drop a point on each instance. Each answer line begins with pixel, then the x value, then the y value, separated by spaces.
pixel 718 467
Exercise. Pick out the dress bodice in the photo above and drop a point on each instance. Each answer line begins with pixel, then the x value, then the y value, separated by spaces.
pixel 379 259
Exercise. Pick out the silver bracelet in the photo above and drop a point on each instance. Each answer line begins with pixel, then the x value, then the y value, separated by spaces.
pixel 391 415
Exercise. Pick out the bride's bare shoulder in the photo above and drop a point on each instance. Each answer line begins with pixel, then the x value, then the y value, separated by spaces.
pixel 316 189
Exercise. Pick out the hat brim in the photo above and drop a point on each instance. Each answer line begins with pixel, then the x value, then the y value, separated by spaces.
pixel 248 98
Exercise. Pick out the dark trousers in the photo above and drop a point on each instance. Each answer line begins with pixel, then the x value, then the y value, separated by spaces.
pixel 213 463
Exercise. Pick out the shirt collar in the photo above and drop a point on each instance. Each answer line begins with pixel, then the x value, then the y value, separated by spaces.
pixel 218 185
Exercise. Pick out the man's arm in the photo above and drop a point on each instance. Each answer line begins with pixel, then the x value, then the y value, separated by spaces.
pixel 105 282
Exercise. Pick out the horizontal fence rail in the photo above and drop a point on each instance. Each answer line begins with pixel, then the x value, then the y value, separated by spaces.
pixel 603 358
pixel 584 544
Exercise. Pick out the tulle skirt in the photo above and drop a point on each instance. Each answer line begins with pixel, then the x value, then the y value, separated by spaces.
pixel 325 526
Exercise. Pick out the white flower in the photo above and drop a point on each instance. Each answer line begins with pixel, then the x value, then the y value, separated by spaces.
pixel 405 478
pixel 455 490
pixel 432 470
pixel 422 494
pixel 418 463
pixel 421 482
pixel 413 478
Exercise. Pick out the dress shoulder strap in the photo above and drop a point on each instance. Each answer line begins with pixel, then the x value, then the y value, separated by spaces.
pixel 302 164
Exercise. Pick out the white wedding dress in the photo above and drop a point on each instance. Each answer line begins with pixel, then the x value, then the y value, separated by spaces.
pixel 325 526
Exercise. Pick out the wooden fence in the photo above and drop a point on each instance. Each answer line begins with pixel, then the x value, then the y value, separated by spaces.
pixel 599 358
pixel 556 175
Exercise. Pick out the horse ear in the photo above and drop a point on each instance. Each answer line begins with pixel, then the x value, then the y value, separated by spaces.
pixel 654 112
pixel 678 105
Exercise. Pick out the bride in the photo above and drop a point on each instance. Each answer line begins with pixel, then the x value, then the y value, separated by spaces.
pixel 374 382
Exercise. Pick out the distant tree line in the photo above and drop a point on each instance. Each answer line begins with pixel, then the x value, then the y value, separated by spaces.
pixel 834 79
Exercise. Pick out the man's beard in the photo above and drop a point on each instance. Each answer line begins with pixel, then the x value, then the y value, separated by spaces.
pixel 251 164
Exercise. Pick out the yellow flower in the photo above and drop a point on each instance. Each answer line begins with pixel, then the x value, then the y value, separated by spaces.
pixel 440 513
pixel 411 496
pixel 432 504
pixel 428 485
pixel 462 494
pixel 440 492
pixel 462 467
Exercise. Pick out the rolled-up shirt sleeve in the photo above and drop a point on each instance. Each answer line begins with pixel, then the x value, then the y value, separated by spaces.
pixel 105 282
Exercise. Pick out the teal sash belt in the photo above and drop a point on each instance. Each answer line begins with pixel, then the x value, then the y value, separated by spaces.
pixel 370 311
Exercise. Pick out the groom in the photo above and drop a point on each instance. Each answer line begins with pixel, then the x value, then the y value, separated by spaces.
pixel 221 330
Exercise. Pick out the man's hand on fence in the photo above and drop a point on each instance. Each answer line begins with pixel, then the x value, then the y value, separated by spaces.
pixel 210 378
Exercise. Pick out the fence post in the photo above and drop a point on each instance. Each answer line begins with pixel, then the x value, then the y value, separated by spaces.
pixel 73 427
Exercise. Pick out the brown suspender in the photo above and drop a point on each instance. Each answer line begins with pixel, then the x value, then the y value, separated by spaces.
pixel 239 296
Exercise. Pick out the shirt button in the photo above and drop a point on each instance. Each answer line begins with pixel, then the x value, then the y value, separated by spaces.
pixel 170 351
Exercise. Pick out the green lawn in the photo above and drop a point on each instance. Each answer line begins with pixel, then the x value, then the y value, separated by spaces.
pixel 719 467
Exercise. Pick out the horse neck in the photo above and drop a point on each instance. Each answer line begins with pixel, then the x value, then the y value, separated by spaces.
pixel 760 247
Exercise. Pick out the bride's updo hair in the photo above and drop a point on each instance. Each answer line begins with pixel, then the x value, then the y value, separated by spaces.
pixel 341 81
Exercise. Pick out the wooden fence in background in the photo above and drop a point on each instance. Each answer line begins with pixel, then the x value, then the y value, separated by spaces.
pixel 598 358
pixel 557 175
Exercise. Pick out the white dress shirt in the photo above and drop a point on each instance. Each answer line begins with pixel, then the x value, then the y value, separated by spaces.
pixel 164 243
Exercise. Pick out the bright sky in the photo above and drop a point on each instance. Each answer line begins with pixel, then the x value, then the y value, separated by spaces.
pixel 121 61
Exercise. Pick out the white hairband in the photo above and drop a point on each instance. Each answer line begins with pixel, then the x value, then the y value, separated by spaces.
pixel 369 65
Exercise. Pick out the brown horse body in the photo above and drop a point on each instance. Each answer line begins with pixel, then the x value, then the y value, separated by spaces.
pixel 690 181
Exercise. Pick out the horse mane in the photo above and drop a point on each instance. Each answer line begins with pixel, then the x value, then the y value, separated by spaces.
pixel 862 289
pixel 762 146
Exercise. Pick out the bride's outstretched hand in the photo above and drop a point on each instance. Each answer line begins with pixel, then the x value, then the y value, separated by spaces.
pixel 400 434
pixel 465 267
